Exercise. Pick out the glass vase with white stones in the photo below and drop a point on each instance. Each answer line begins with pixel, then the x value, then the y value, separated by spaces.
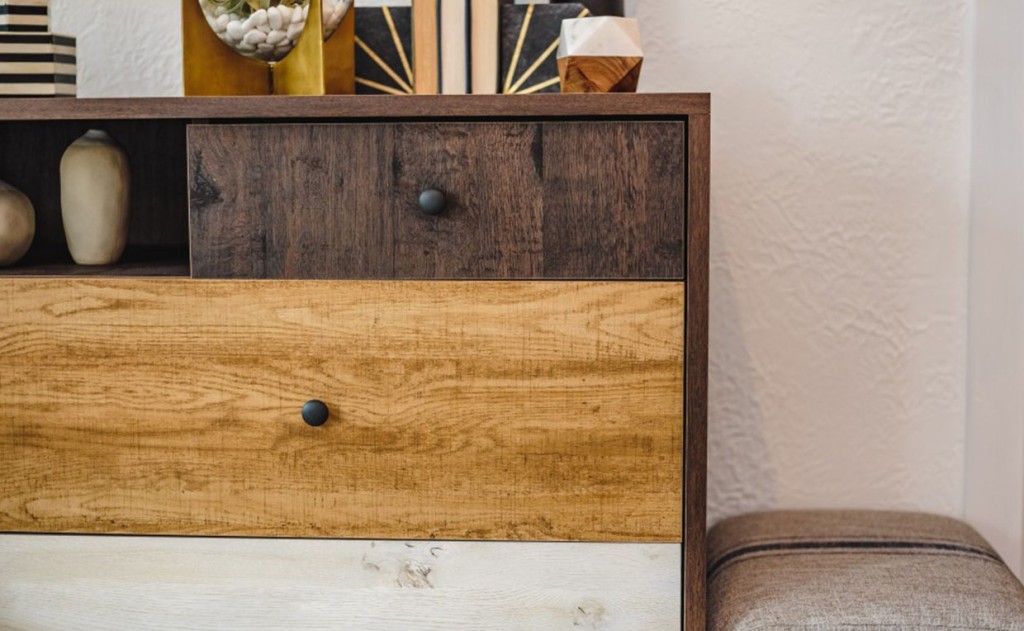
pixel 268 30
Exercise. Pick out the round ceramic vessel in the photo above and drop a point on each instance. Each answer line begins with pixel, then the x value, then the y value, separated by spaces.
pixel 268 30
pixel 17 224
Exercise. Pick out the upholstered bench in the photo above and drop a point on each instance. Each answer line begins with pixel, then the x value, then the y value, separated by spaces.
pixel 856 570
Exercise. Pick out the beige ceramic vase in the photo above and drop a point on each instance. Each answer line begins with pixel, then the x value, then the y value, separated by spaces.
pixel 17 224
pixel 95 185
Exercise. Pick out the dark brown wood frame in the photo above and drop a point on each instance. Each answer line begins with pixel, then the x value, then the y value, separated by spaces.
pixel 696 375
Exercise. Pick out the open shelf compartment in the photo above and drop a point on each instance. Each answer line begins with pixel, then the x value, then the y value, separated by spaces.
pixel 30 155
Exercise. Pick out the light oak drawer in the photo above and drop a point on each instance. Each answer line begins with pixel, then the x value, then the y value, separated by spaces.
pixel 486 410
pixel 557 199
pixel 175 583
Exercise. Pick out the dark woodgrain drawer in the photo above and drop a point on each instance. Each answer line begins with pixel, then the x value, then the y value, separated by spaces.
pixel 582 200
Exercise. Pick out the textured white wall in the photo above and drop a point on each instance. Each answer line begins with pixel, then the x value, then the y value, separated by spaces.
pixel 124 48
pixel 995 422
pixel 839 240
pixel 840 178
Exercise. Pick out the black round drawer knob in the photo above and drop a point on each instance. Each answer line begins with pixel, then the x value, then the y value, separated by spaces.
pixel 433 201
pixel 315 413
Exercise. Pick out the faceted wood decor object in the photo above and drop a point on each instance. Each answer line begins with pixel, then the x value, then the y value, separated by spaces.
pixel 600 54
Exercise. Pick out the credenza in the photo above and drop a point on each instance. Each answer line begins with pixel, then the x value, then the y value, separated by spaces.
pixel 367 363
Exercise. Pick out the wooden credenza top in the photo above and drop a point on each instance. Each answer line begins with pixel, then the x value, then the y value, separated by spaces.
pixel 359 107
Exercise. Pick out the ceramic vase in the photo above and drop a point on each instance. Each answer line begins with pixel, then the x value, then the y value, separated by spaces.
pixel 95 184
pixel 17 224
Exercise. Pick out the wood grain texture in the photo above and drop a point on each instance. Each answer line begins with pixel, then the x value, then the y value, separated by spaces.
pixel 614 200
pixel 114 583
pixel 359 107
pixel 426 62
pixel 599 200
pixel 599 74
pixel 478 410
pixel 698 210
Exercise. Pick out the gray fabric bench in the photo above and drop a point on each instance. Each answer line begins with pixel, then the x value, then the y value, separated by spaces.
pixel 856 570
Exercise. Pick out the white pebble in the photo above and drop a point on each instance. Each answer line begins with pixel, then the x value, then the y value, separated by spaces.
pixel 266 49
pixel 222 22
pixel 285 13
pixel 255 37
pixel 295 30
pixel 236 30
pixel 246 48
pixel 298 16
pixel 276 37
pixel 265 28
pixel 274 18
pixel 259 18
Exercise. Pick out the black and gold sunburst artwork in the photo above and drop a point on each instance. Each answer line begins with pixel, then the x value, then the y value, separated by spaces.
pixel 529 40
pixel 383 48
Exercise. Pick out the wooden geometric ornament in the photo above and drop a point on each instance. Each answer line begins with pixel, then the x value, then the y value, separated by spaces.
pixel 600 54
